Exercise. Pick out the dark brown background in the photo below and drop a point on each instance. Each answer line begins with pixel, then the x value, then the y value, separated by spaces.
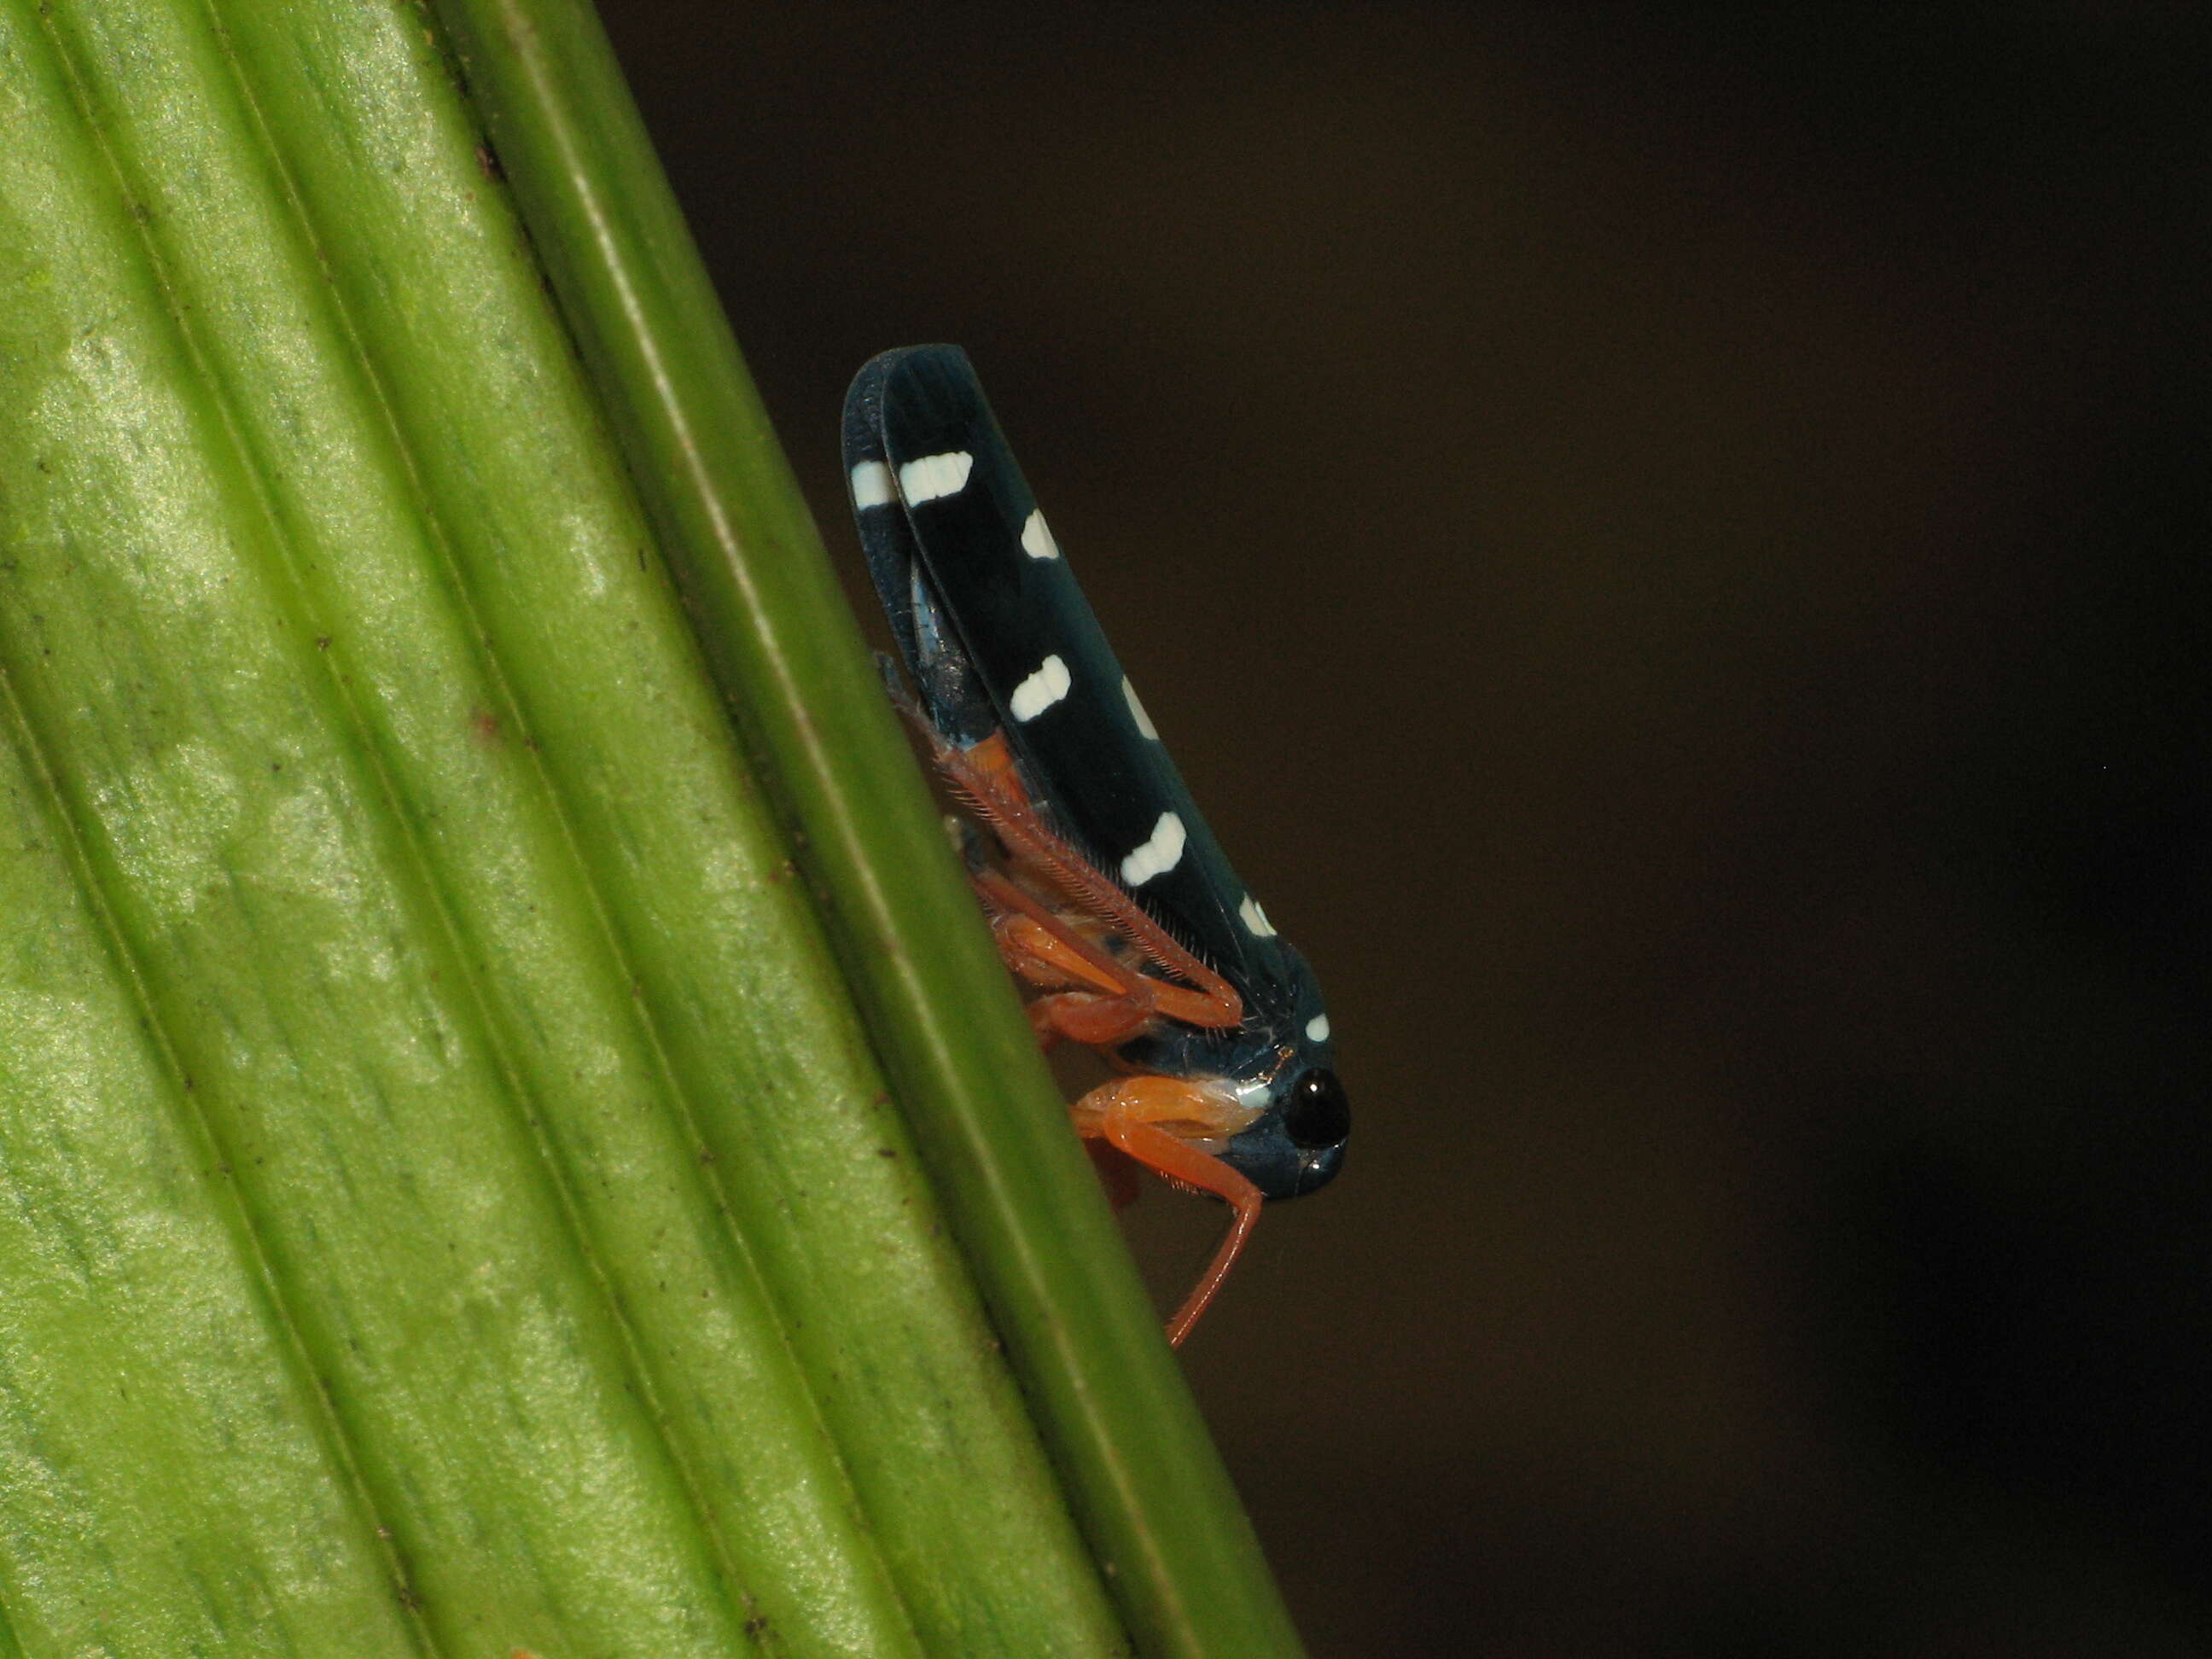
pixel 1664 542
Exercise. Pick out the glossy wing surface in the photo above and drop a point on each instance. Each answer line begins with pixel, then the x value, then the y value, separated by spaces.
pixel 995 618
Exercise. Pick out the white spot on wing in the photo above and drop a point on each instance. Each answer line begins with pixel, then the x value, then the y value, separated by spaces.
pixel 1040 690
pixel 1158 855
pixel 1255 919
pixel 1317 1028
pixel 871 485
pixel 1037 539
pixel 933 475
pixel 1136 710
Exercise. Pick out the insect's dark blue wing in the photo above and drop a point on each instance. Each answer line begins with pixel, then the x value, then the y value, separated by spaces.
pixel 999 636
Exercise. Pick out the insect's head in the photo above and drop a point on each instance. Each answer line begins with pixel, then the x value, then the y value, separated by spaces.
pixel 1282 1066
pixel 1296 1145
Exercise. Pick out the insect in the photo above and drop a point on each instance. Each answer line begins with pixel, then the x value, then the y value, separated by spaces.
pixel 1105 889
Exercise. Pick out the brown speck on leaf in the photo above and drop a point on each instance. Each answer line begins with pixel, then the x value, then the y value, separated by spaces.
pixel 322 641
pixel 488 162
pixel 484 724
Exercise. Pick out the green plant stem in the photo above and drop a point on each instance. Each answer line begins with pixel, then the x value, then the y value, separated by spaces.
pixel 451 1205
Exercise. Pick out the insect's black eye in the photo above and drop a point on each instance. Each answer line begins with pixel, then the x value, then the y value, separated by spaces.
pixel 1316 1114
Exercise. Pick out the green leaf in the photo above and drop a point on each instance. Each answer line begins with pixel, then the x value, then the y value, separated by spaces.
pixel 449 1202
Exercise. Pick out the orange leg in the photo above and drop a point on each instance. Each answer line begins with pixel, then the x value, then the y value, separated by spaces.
pixel 1155 1120
pixel 1109 1000
pixel 988 778
pixel 1095 1022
